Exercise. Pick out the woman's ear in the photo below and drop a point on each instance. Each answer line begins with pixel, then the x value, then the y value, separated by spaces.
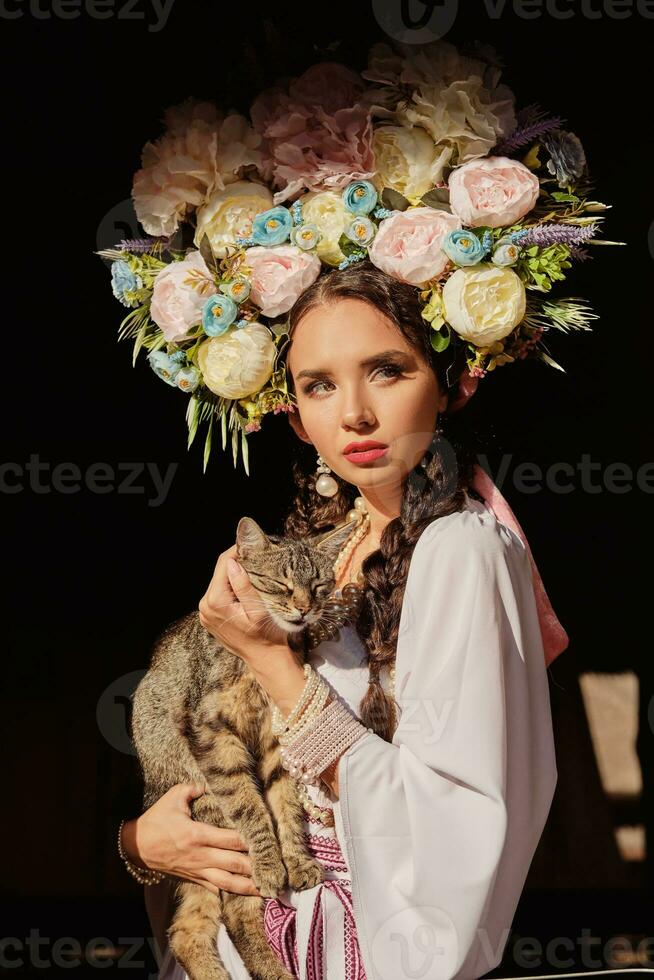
pixel 296 424
pixel 465 389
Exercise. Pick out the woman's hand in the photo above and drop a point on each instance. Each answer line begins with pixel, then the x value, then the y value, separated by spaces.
pixel 232 611
pixel 166 838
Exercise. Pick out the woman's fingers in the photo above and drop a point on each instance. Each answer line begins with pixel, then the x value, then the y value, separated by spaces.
pixel 233 862
pixel 239 884
pixel 219 592
pixel 221 837
pixel 219 603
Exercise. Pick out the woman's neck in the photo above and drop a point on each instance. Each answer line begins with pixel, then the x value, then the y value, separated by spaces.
pixel 382 508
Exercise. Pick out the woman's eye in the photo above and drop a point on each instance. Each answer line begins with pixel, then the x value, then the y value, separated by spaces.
pixel 391 370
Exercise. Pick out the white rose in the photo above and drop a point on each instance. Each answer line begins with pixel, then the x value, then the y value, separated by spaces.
pixel 484 303
pixel 237 363
pixel 408 160
pixel 228 214
pixel 326 210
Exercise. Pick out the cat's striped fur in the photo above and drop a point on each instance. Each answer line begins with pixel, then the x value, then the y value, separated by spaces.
pixel 199 716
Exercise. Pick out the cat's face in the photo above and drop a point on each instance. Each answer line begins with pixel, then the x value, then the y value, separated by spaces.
pixel 293 578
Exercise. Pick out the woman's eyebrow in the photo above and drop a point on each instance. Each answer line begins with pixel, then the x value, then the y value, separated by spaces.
pixel 374 359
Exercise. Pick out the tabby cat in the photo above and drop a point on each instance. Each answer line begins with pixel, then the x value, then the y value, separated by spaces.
pixel 199 716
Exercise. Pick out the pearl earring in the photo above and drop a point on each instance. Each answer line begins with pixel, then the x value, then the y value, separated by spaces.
pixel 326 485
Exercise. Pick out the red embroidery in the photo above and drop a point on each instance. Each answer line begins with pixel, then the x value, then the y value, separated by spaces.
pixel 279 919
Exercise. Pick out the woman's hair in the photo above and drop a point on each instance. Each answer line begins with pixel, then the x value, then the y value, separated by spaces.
pixel 430 491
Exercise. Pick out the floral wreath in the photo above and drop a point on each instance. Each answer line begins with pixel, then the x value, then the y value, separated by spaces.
pixel 420 163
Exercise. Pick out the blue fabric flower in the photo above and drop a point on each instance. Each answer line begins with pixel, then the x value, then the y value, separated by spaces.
pixel 506 253
pixel 188 378
pixel 272 227
pixel 123 280
pixel 463 247
pixel 164 367
pixel 305 236
pixel 361 230
pixel 238 289
pixel 218 313
pixel 360 197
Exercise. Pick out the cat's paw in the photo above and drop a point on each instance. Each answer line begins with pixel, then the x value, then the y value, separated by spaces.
pixel 269 875
pixel 304 873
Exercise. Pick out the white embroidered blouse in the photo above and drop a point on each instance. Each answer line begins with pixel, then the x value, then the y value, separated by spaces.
pixel 438 828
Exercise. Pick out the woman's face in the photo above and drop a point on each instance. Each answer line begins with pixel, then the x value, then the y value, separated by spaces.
pixel 358 379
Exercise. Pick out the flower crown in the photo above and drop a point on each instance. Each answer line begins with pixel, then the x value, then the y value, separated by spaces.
pixel 419 163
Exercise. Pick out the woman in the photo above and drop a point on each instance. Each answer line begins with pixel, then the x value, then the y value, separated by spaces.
pixel 438 807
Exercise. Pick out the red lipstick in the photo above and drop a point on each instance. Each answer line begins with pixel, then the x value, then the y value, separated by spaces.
pixel 365 451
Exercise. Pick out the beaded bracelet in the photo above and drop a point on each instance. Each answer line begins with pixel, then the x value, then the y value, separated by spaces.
pixel 315 706
pixel 334 730
pixel 144 876
pixel 309 704
pixel 278 723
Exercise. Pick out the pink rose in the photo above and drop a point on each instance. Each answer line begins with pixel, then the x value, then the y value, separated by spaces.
pixel 408 245
pixel 176 304
pixel 279 275
pixel 316 134
pixel 495 191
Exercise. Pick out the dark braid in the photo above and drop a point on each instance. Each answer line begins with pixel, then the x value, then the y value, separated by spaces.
pixel 430 492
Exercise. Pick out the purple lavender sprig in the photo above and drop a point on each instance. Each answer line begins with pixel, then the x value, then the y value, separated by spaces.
pixel 140 244
pixel 533 122
pixel 550 234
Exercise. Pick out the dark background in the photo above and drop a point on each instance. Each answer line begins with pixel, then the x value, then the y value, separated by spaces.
pixel 91 578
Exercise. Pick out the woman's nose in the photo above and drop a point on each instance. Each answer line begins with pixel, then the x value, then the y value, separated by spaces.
pixel 358 414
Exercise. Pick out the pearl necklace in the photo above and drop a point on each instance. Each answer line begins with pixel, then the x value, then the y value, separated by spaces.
pixel 326 814
pixel 360 514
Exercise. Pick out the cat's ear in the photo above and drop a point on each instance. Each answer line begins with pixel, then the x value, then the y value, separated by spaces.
pixel 331 542
pixel 250 539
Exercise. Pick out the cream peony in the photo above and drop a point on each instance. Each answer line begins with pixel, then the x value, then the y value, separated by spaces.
pixel 496 192
pixel 408 245
pixel 228 214
pixel 326 210
pixel 279 274
pixel 484 303
pixel 201 151
pixel 176 304
pixel 408 160
pixel 237 363
pixel 457 100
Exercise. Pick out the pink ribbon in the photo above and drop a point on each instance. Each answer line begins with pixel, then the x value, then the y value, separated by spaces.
pixel 555 638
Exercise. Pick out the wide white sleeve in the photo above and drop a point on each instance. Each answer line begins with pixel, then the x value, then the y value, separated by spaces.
pixel 440 826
